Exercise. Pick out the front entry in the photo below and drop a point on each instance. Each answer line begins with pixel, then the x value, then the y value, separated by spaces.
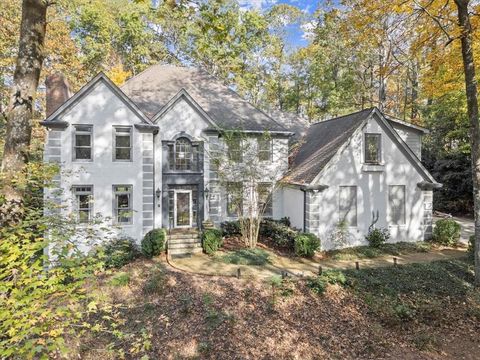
pixel 183 215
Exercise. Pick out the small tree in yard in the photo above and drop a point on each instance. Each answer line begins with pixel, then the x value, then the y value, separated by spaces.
pixel 249 176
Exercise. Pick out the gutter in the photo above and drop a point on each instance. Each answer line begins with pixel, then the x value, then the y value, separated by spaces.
pixel 54 124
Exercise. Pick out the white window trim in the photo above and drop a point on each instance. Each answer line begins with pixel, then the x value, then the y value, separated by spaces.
pixel 76 203
pixel 114 205
pixel 380 150
pixel 74 142
pixel 114 148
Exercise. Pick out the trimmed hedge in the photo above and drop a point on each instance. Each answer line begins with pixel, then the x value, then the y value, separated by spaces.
pixel 120 252
pixel 281 235
pixel 212 240
pixel 306 244
pixel 446 232
pixel 153 242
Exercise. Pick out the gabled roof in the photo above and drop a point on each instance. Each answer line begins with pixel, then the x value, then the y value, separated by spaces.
pixel 153 89
pixel 326 138
pixel 53 118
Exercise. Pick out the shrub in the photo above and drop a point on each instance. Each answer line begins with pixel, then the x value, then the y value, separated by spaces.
pixel 153 243
pixel 280 234
pixel 446 232
pixel 230 228
pixel 377 237
pixel 471 247
pixel 212 240
pixel 317 285
pixel 334 277
pixel 120 252
pixel 306 244
pixel 285 221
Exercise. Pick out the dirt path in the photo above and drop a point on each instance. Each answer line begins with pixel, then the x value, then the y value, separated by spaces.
pixel 206 265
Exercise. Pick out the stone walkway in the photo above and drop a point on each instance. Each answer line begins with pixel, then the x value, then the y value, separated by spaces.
pixel 206 265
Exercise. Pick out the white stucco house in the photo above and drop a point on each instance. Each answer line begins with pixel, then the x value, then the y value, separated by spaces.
pixel 138 156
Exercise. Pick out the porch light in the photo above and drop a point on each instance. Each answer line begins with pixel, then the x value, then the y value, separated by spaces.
pixel 158 192
pixel 206 191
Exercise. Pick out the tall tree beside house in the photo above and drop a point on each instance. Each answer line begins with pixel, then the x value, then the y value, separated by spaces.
pixel 25 82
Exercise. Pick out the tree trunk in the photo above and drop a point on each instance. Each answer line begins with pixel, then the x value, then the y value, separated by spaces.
pixel 25 83
pixel 472 107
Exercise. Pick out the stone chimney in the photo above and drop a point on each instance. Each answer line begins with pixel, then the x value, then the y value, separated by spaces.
pixel 58 91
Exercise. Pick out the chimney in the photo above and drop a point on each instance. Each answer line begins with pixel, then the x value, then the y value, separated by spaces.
pixel 58 91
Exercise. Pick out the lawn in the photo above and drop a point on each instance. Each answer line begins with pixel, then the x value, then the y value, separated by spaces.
pixel 410 311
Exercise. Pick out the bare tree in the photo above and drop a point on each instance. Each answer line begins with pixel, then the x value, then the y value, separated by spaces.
pixel 21 104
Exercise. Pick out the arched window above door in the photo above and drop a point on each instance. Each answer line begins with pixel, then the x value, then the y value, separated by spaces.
pixel 183 155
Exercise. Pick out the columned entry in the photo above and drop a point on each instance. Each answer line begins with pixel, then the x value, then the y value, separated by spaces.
pixel 182 208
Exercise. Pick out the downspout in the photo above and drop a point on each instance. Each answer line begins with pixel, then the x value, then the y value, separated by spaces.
pixel 304 209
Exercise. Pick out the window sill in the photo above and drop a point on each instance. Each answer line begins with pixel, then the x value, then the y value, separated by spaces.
pixel 373 167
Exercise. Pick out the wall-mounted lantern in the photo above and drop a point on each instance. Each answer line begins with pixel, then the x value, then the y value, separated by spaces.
pixel 158 192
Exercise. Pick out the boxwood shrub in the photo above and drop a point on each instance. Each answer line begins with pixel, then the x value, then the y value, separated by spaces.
pixel 153 243
pixel 306 244
pixel 446 232
pixel 212 240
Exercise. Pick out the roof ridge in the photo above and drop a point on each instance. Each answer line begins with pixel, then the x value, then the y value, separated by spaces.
pixel 342 116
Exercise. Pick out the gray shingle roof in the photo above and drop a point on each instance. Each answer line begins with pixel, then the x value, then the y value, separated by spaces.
pixel 152 89
pixel 322 141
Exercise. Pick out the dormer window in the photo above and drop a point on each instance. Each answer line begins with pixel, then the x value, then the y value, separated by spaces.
pixel 373 148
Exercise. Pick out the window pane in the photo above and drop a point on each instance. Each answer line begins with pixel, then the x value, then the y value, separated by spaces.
pixel 123 201
pixel 348 204
pixel 264 149
pixel 265 199
pixel 82 140
pixel 83 153
pixel 397 204
pixel 122 141
pixel 122 154
pixel 235 149
pixel 372 148
pixel 183 154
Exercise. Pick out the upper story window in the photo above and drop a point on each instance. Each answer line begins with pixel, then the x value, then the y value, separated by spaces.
pixel 373 148
pixel 264 149
pixel 122 137
pixel 122 204
pixel 82 142
pixel 235 149
pixel 183 155
pixel 83 202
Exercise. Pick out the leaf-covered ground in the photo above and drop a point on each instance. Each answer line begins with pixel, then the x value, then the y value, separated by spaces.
pixel 166 314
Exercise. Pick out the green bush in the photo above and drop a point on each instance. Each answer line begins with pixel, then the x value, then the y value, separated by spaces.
pixel 120 252
pixel 317 285
pixel 471 247
pixel 377 237
pixel 153 243
pixel 334 277
pixel 281 235
pixel 212 240
pixel 230 228
pixel 306 244
pixel 446 232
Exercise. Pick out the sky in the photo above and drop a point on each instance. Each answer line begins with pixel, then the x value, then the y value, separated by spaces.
pixel 295 35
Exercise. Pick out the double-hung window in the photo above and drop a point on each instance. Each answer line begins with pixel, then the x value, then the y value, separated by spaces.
pixel 396 202
pixel 234 199
pixel 264 191
pixel 122 143
pixel 264 149
pixel 83 202
pixel 122 204
pixel 235 149
pixel 347 205
pixel 82 142
pixel 373 148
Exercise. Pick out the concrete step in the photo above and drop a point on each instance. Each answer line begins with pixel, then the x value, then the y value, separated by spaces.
pixel 184 252
pixel 184 241
pixel 183 236
pixel 182 231
pixel 184 245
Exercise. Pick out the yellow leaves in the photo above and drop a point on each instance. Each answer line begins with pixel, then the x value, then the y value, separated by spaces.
pixel 118 75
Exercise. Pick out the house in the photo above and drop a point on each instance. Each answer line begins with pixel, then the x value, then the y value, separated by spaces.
pixel 141 157
pixel 359 170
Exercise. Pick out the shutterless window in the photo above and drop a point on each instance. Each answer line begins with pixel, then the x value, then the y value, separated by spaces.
pixel 396 201
pixel 347 205
pixel 123 143
pixel 82 142
pixel 83 202
pixel 183 154
pixel 372 148
pixel 122 204
pixel 234 198
pixel 265 199
pixel 235 149
pixel 264 149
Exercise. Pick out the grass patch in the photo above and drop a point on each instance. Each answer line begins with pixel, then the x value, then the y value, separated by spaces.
pixel 367 252
pixel 120 279
pixel 246 257
pixel 419 292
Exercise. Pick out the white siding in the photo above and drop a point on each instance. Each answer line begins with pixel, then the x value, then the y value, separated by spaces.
pixel 412 137
pixel 372 192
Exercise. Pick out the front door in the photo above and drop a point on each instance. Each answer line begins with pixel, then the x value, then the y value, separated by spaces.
pixel 182 208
